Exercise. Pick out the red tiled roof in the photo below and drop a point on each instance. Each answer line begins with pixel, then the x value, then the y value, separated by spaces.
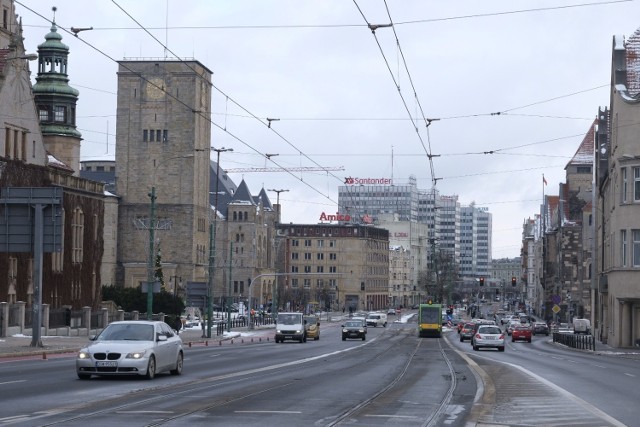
pixel 584 154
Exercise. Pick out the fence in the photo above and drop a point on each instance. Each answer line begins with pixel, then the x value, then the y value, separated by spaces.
pixel 579 341
pixel 16 319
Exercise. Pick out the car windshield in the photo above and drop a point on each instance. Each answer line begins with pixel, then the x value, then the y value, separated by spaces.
pixel 353 324
pixel 288 319
pixel 128 332
pixel 311 320
pixel 490 330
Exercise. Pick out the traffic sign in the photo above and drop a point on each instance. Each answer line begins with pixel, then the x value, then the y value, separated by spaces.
pixel 556 309
pixel 556 299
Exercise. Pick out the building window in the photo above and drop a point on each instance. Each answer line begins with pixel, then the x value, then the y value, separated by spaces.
pixel 623 178
pixel 636 248
pixel 320 269
pixel 333 256
pixel 307 283
pixel 294 255
pixel 636 184
pixel 151 135
pixel 320 256
pixel 294 268
pixel 320 243
pixel 60 114
pixel 307 243
pixel 77 229
pixel 145 135
pixel 333 269
pixel 295 243
pixel 307 256
pixel 307 269
pixel 165 135
pixel 623 249
pixel 158 135
pixel 294 283
pixel 43 113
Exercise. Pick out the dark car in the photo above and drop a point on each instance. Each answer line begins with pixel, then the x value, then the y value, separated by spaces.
pixel 540 328
pixel 467 331
pixel 354 329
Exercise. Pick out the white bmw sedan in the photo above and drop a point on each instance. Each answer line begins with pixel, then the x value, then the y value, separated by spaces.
pixel 132 348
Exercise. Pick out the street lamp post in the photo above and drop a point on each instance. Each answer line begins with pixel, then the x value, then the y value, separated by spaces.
pixel 152 228
pixel 274 304
pixel 212 243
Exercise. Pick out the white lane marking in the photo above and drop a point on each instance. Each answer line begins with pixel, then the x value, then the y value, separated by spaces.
pixel 599 366
pixel 630 375
pixel 13 382
pixel 268 412
pixel 144 412
pixel 392 416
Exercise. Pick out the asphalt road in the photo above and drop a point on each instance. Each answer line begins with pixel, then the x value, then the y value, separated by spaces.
pixel 391 377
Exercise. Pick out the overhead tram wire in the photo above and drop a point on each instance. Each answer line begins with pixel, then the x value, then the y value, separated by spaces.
pixel 179 101
pixel 373 28
pixel 268 124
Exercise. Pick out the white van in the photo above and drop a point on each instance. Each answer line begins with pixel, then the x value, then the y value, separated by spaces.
pixel 581 326
pixel 377 319
pixel 291 326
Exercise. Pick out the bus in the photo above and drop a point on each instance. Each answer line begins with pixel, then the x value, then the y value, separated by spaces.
pixel 430 320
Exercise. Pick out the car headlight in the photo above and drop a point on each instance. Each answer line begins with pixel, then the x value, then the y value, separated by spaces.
pixel 84 355
pixel 345 330
pixel 136 354
pixel 361 331
pixel 278 331
pixel 298 331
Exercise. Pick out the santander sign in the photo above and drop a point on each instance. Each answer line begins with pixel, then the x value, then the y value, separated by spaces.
pixel 337 217
pixel 367 181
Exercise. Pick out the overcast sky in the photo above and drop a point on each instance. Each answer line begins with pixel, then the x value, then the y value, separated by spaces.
pixel 343 96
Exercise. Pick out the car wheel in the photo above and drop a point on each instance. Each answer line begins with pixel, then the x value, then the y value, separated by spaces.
pixel 513 340
pixel 475 348
pixel 364 338
pixel 84 376
pixel 529 340
pixel 316 338
pixel 461 339
pixel 151 368
pixel 500 348
pixel 179 364
pixel 344 338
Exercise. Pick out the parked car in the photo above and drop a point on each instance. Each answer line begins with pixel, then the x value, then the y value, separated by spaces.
pixel 391 311
pixel 521 332
pixel 354 329
pixel 540 328
pixel 581 326
pixel 488 336
pixel 132 347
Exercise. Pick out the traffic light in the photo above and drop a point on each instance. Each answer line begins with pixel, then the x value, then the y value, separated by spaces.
pixel 513 281
pixel 482 281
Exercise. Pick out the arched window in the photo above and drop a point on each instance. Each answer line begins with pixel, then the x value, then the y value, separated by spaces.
pixel 77 230
pixel 246 215
pixel 235 216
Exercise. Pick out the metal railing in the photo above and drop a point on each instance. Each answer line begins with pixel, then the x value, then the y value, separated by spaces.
pixel 579 341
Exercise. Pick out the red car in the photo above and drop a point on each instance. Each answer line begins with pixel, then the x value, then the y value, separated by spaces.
pixel 521 333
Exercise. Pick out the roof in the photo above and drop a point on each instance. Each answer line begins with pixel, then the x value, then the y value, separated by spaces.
pixel 584 154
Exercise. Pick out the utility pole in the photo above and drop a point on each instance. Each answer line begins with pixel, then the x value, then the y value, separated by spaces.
pixel 274 305
pixel 229 289
pixel 212 243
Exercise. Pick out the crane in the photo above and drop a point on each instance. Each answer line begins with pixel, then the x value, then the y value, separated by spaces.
pixel 296 169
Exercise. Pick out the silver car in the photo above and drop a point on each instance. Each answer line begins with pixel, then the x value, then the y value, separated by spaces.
pixel 132 348
pixel 489 336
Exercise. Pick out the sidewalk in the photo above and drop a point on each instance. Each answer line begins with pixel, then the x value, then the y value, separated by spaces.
pixel 20 345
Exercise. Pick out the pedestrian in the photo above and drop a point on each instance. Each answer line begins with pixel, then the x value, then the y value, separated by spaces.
pixel 177 323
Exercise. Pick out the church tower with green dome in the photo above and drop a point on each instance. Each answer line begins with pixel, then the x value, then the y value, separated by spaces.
pixel 56 103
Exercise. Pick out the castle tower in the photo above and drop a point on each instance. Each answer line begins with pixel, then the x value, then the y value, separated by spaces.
pixel 163 137
pixel 56 102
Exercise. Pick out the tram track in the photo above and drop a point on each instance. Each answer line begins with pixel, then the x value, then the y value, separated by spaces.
pixel 184 408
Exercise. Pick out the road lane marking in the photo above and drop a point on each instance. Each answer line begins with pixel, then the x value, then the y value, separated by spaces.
pixel 13 382
pixel 630 375
pixel 268 412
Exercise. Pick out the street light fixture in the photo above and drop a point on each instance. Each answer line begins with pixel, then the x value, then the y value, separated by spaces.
pixel 278 202
pixel 212 243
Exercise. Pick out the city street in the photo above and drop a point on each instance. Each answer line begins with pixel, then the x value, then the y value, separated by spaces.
pixel 392 377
